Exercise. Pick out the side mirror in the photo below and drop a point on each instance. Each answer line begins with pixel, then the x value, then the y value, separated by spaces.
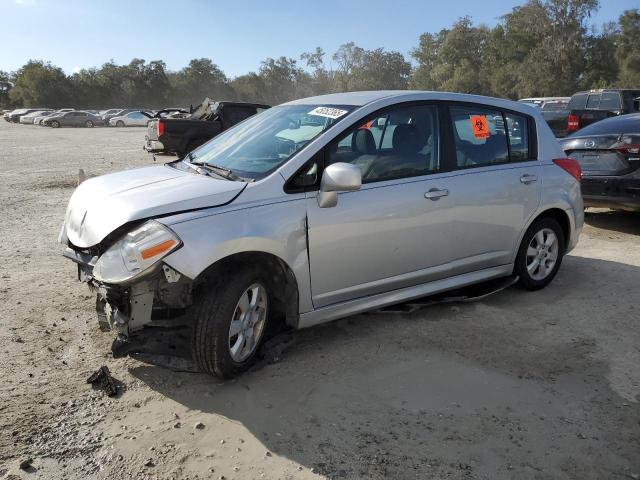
pixel 338 177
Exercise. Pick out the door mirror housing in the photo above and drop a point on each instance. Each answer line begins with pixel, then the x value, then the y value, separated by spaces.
pixel 338 177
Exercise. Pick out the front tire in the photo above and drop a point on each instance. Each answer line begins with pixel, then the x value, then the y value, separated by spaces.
pixel 540 254
pixel 119 123
pixel 55 124
pixel 230 319
pixel 88 124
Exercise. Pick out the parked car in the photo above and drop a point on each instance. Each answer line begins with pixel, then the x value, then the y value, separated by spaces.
pixel 115 113
pixel 321 208
pixel 132 119
pixel 75 118
pixel 176 135
pixel 30 117
pixel 38 120
pixel 609 155
pixel 554 110
pixel 541 101
pixel 592 106
pixel 15 115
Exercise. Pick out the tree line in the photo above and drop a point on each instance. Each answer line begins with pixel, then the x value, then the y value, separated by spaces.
pixel 542 48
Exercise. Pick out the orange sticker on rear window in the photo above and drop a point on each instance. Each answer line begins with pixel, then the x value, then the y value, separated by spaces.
pixel 480 126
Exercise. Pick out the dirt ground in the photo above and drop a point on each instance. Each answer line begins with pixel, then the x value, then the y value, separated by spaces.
pixel 521 385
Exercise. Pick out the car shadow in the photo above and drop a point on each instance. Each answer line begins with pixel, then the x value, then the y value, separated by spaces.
pixel 514 386
pixel 623 222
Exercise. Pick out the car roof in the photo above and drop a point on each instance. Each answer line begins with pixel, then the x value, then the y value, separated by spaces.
pixel 359 99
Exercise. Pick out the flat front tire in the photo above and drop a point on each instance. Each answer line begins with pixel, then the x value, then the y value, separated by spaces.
pixel 230 318
pixel 540 254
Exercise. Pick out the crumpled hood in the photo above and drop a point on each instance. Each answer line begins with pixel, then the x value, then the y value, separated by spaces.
pixel 101 204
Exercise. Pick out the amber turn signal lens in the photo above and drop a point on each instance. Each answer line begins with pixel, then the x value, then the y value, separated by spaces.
pixel 157 249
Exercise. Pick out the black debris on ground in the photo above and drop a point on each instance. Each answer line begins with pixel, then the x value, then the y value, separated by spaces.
pixel 102 379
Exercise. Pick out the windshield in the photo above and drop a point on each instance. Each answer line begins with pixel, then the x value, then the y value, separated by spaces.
pixel 257 146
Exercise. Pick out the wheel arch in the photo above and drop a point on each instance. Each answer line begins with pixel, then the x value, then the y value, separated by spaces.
pixel 558 214
pixel 285 293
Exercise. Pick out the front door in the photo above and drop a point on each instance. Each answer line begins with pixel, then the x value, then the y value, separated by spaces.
pixel 395 231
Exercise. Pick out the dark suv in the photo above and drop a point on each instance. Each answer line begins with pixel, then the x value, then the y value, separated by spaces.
pixel 592 106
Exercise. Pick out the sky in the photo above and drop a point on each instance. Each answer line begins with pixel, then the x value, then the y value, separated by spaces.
pixel 236 34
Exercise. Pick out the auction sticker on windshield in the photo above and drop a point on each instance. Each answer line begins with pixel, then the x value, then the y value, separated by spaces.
pixel 328 112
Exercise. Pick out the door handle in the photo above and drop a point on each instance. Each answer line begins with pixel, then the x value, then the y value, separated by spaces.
pixel 527 178
pixel 435 194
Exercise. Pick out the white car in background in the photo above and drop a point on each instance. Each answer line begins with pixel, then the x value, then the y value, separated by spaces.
pixel 132 119
pixel 29 118
pixel 39 118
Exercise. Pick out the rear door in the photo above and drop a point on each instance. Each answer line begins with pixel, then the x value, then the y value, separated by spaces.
pixel 395 231
pixel 496 187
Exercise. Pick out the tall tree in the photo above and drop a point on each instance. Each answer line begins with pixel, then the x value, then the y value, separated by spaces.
pixel 201 78
pixel 5 86
pixel 628 52
pixel 40 84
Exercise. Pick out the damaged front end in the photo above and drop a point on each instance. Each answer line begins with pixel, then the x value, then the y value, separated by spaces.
pixel 136 291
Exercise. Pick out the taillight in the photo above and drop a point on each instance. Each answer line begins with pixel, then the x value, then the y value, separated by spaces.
pixel 573 123
pixel 629 149
pixel 571 166
pixel 160 128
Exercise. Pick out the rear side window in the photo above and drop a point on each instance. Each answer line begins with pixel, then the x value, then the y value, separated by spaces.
pixel 480 137
pixel 578 101
pixel 518 133
pixel 610 101
pixel 593 101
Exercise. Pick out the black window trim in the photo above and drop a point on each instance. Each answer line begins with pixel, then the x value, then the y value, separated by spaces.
pixel 531 130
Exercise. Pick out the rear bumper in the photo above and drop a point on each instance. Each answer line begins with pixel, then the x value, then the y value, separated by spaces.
pixel 612 192
pixel 154 146
pixel 621 203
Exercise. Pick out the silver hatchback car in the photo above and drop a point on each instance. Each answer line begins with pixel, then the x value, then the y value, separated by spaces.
pixel 322 208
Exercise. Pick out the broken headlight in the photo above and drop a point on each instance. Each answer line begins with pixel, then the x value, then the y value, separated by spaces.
pixel 135 252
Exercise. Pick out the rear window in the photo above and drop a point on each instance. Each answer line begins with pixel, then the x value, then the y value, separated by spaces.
pixel 578 101
pixel 610 101
pixel 554 106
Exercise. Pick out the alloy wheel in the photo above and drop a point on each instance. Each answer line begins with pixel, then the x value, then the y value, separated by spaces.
pixel 247 322
pixel 542 254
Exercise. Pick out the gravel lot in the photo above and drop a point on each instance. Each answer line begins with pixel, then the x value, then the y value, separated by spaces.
pixel 521 385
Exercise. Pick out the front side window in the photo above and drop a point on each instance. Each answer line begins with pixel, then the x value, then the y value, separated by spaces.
pixel 262 143
pixel 400 142
pixel 480 137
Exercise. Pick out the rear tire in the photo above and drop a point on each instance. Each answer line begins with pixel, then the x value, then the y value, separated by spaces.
pixel 119 123
pixel 540 254
pixel 225 302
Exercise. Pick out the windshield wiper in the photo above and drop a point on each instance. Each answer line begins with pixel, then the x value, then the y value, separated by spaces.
pixel 220 171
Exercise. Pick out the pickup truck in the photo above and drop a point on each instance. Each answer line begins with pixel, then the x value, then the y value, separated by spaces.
pixel 182 135
pixel 592 106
